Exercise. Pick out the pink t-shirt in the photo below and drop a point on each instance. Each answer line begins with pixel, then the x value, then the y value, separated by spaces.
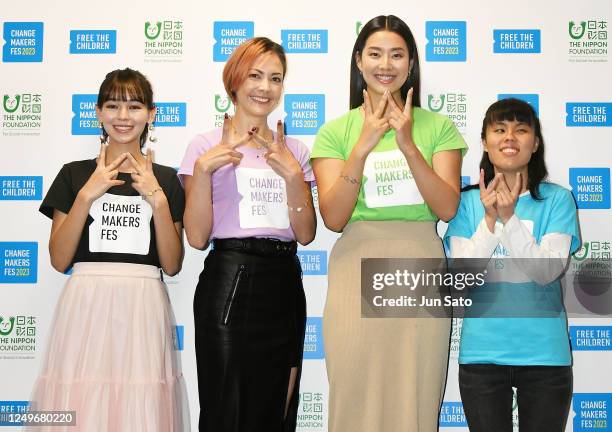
pixel 249 200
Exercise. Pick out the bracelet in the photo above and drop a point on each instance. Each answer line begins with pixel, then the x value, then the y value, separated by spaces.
pixel 150 193
pixel 351 180
pixel 298 209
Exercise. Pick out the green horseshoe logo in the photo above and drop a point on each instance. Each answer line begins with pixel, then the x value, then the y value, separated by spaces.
pixel 571 29
pixel 11 321
pixel 6 103
pixel 220 102
pixel 358 26
pixel 430 99
pixel 582 253
pixel 148 32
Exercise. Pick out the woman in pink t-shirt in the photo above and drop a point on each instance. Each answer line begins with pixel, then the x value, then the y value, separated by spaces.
pixel 248 191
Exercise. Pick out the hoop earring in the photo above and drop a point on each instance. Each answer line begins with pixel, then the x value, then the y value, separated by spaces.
pixel 151 131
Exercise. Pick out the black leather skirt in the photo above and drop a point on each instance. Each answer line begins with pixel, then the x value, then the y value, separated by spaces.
pixel 250 315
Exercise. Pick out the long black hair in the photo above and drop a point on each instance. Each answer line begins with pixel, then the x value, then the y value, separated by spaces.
pixel 516 110
pixel 396 25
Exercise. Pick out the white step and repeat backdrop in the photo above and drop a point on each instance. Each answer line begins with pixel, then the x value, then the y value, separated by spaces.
pixel 54 56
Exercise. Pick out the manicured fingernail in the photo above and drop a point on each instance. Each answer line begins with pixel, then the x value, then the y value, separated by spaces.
pixel 226 116
pixel 250 132
pixel 255 129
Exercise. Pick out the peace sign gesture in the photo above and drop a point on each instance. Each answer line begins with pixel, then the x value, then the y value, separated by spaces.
pixel 224 152
pixel 143 179
pixel 374 124
pixel 278 156
pixel 104 177
pixel 401 121
pixel 506 198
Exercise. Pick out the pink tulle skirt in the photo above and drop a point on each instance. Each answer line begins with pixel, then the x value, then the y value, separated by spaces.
pixel 111 354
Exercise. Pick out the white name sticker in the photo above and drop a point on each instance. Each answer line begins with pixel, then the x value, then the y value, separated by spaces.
pixel 121 225
pixel 389 181
pixel 264 199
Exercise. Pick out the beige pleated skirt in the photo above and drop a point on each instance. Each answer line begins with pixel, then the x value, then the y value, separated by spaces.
pixel 385 374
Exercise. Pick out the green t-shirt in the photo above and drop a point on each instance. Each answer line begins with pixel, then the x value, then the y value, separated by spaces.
pixel 388 191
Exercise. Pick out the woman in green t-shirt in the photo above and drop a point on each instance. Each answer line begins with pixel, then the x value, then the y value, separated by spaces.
pixel 386 172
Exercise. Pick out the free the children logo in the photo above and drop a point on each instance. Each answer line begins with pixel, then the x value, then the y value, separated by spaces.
pixel 23 42
pixel 312 411
pixel 452 415
pixel 517 41
pixel 163 41
pixel 228 35
pixel 171 114
pixel 313 262
pixel 591 338
pixel 21 188
pixel 93 41
pixel 17 336
pixel 588 114
pixel 22 114
pixel 453 104
pixel 8 407
pixel 304 41
pixel 588 40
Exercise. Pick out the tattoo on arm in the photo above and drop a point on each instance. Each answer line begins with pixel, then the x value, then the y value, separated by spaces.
pixel 351 180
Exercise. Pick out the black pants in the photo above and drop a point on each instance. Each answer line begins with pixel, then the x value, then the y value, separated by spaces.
pixel 250 315
pixel 543 395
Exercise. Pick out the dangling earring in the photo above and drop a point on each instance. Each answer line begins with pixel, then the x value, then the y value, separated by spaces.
pixel 152 137
pixel 103 137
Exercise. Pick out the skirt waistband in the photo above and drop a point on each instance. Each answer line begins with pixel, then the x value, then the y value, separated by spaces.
pixel 416 231
pixel 257 246
pixel 116 269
